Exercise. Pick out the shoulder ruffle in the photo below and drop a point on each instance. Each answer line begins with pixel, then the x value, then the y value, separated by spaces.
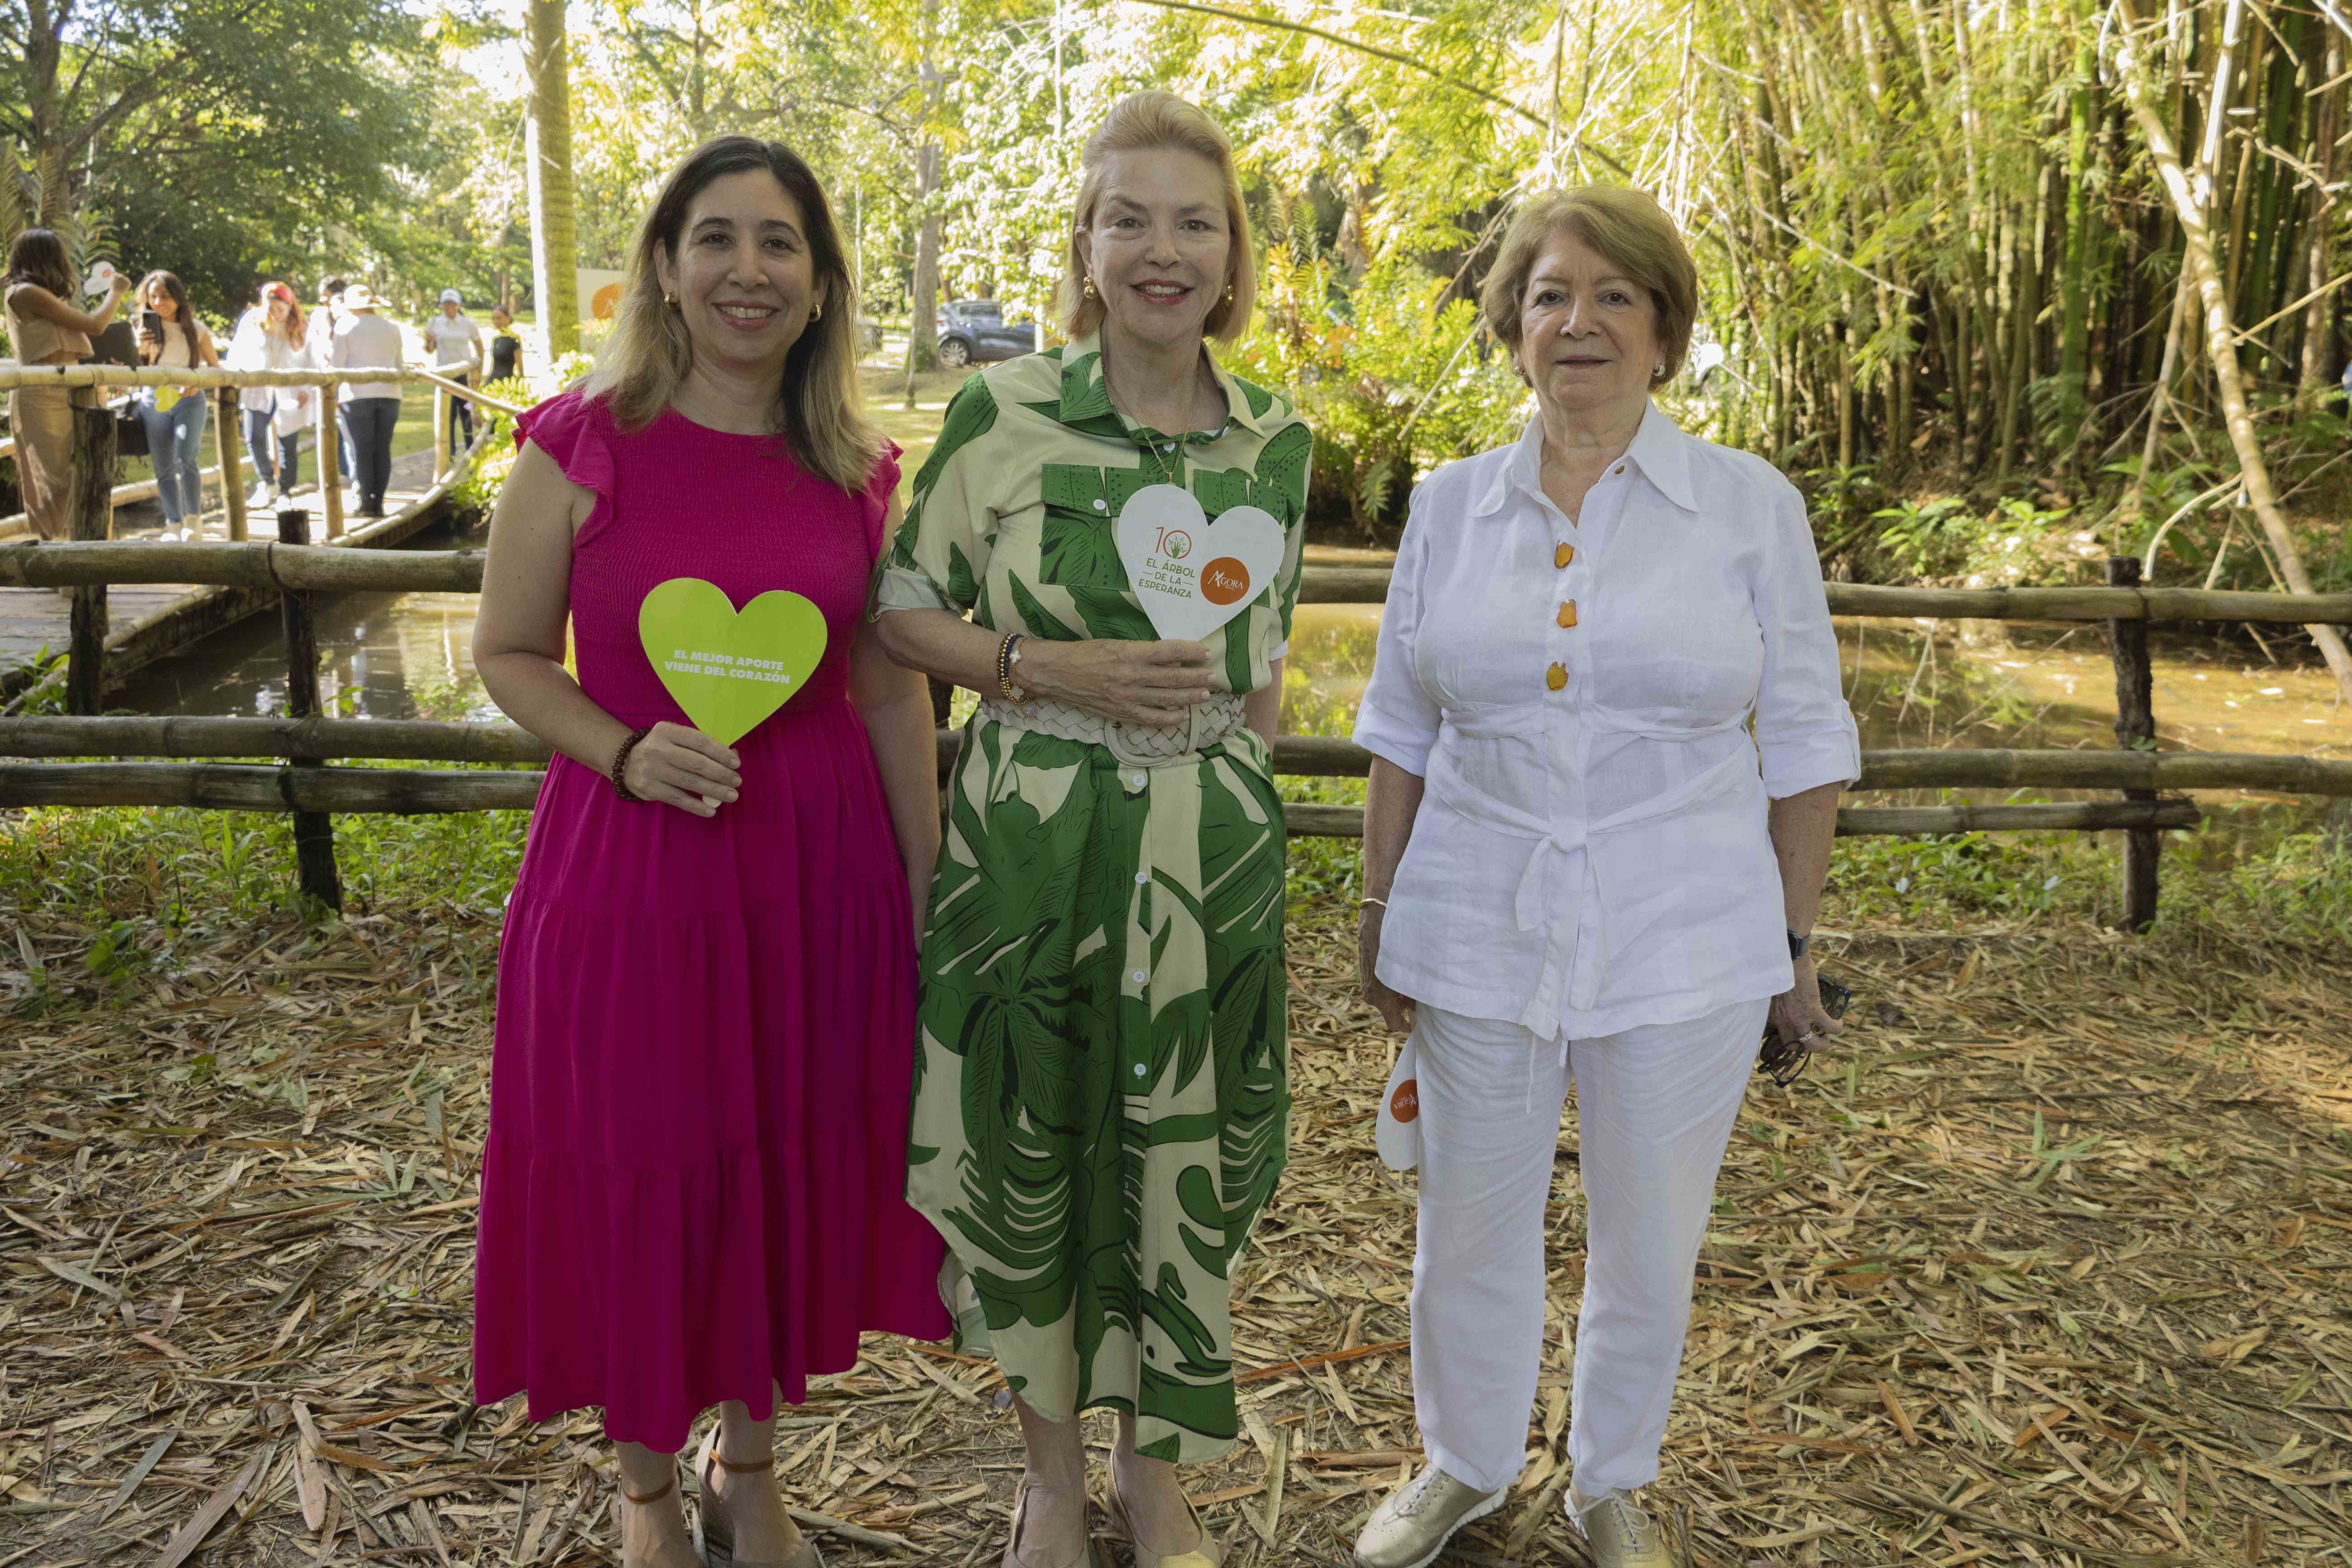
pixel 875 500
pixel 577 434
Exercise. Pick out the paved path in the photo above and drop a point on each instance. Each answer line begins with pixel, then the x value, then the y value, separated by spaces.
pixel 32 619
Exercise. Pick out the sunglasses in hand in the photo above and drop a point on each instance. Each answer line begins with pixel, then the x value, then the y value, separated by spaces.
pixel 1784 1060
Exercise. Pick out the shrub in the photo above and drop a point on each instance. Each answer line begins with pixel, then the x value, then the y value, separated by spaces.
pixel 1391 385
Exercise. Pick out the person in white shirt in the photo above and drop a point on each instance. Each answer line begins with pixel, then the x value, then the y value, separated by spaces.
pixel 456 345
pixel 274 335
pixel 364 340
pixel 1579 867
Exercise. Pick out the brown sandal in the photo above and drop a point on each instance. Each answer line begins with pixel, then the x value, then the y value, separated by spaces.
pixel 719 1531
pixel 645 1499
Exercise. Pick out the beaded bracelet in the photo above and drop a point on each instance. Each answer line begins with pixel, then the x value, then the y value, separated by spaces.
pixel 1005 656
pixel 621 763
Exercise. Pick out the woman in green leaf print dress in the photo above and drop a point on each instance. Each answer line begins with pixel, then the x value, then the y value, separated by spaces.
pixel 1101 1085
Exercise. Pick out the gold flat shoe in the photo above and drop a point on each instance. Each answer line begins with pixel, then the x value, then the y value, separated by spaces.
pixel 1012 1538
pixel 1209 1553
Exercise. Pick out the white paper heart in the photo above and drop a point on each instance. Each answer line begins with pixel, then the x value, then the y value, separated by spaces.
pixel 1190 574
pixel 1396 1132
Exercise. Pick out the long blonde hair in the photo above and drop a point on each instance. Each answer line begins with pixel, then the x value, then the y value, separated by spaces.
pixel 647 353
pixel 1143 121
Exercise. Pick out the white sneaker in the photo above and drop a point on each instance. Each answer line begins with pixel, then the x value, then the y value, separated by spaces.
pixel 1413 1523
pixel 1619 1534
pixel 263 495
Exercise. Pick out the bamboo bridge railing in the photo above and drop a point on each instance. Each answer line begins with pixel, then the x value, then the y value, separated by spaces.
pixel 301 784
pixel 94 453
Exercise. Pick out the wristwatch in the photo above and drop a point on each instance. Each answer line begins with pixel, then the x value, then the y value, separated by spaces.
pixel 1797 945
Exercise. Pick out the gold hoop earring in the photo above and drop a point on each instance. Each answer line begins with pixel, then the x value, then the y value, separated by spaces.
pixel 816 312
pixel 670 301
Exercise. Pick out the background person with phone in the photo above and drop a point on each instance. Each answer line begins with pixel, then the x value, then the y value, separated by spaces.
pixel 46 328
pixel 170 336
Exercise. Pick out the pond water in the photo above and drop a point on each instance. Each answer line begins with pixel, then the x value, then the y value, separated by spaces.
pixel 401 655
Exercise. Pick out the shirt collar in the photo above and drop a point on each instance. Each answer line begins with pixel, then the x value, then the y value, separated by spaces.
pixel 1086 400
pixel 1659 449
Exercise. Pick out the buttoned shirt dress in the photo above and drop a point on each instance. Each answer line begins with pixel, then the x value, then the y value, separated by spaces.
pixel 1100 1080
pixel 1591 852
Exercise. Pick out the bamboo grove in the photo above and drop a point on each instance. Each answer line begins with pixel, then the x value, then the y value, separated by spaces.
pixel 1941 233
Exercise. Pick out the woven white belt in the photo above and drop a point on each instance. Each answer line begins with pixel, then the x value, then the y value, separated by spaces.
pixel 1137 745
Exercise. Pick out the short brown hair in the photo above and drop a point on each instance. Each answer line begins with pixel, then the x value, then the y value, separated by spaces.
pixel 1143 121
pixel 1627 226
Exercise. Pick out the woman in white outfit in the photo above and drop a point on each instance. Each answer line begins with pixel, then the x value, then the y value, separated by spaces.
pixel 1579 866
pixel 273 336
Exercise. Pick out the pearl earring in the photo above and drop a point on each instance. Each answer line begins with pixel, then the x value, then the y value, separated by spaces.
pixel 1090 288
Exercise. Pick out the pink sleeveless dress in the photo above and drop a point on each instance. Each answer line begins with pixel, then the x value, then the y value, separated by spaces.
pixel 700 1084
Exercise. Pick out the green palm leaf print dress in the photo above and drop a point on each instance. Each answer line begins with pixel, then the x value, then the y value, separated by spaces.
pixel 1101 1083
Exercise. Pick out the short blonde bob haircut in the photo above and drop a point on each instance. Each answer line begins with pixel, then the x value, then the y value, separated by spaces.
pixel 819 407
pixel 1143 122
pixel 1625 225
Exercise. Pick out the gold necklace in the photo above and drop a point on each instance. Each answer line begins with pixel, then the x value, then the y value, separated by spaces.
pixel 1156 452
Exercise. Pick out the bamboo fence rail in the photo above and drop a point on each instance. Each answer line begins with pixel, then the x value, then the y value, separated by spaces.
pixel 308 789
pixel 62 565
pixel 315 791
pixel 1294 756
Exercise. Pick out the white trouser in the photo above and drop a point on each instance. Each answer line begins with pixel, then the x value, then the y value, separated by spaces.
pixel 1656 1106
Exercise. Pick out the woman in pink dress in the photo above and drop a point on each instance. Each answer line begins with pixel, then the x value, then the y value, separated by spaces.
pixel 692 1189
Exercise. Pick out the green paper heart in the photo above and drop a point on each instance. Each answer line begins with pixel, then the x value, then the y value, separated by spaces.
pixel 728 670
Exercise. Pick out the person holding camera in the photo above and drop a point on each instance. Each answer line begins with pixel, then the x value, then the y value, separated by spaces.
pixel 46 328
pixel 170 338
pixel 1580 867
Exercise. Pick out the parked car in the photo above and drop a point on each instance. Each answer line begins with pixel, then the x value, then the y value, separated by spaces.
pixel 976 330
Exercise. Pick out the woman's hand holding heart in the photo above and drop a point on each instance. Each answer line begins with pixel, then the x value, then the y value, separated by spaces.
pixel 1134 682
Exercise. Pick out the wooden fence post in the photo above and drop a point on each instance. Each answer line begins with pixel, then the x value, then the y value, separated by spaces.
pixel 314 831
pixel 331 481
pixel 229 414
pixel 93 518
pixel 2135 731
pixel 443 416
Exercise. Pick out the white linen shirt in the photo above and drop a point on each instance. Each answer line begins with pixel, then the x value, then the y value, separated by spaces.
pixel 1590 852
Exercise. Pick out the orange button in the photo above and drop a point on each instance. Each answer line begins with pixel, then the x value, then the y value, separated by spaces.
pixel 1568 612
pixel 1562 554
pixel 1556 677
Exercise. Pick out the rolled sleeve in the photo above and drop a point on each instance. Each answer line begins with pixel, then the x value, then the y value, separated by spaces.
pixel 1805 733
pixel 1398 719
pixel 939 555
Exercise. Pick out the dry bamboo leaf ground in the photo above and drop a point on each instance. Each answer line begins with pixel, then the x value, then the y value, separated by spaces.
pixel 2050 1266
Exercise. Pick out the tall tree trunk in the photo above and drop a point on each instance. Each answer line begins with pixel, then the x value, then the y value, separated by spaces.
pixel 547 156
pixel 2028 306
pixel 2220 336
pixel 923 301
pixel 2127 508
pixel 2075 323
pixel 2319 315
